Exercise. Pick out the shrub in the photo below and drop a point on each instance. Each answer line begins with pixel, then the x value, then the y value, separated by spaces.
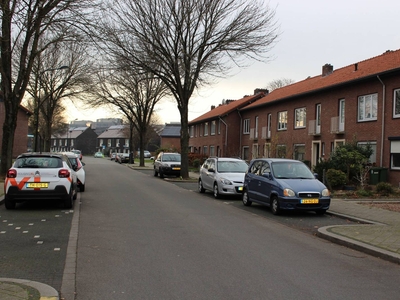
pixel 336 178
pixel 384 188
pixel 364 193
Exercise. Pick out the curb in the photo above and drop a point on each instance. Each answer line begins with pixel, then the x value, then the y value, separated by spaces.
pixel 45 291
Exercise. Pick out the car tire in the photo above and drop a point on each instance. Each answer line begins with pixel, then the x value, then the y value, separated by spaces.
pixel 68 201
pixel 216 192
pixel 320 212
pixel 9 204
pixel 200 186
pixel 275 205
pixel 155 172
pixel 82 188
pixel 161 174
pixel 246 199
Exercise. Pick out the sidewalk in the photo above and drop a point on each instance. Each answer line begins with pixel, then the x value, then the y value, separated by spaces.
pixel 378 234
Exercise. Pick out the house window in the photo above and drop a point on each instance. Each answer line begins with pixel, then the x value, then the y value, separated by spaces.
pixel 299 151
pixel 282 120
pixel 281 151
pixel 396 104
pixel 212 151
pixel 341 114
pixel 191 131
pixel 269 118
pixel 246 126
pixel 66 142
pixel 206 129
pixel 395 154
pixel 55 143
pixel 367 107
pixel 205 150
pixel 126 142
pixel 212 129
pixel 256 128
pixel 372 158
pixel 300 118
pixel 101 142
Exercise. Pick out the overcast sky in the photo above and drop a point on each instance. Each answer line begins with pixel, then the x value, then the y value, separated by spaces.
pixel 313 33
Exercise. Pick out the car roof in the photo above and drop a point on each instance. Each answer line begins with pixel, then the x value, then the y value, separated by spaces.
pixel 41 154
pixel 70 154
pixel 227 158
pixel 278 160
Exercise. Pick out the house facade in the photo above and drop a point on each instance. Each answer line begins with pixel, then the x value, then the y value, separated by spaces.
pixel 308 119
pixel 216 133
pixel 114 139
pixel 21 131
pixel 80 138
pixel 170 137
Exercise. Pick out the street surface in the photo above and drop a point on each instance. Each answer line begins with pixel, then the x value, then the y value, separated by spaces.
pixel 141 237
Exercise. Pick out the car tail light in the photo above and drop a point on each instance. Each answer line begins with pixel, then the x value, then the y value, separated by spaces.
pixel 63 173
pixel 12 173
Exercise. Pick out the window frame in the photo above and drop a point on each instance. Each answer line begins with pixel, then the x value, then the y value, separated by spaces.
pixel 246 126
pixel 396 103
pixel 362 108
pixel 282 116
pixel 300 117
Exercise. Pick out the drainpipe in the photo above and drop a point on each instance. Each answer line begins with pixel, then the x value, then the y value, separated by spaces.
pixel 226 136
pixel 240 134
pixel 383 117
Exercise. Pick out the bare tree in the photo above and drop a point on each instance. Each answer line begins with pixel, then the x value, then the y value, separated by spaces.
pixel 62 71
pixel 278 83
pixel 135 94
pixel 23 23
pixel 186 42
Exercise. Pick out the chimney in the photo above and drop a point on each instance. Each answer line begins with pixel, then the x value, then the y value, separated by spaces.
pixel 212 107
pixel 355 66
pixel 257 91
pixel 327 69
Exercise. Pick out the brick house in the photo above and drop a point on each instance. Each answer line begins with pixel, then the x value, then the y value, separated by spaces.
pixel 114 139
pixel 21 131
pixel 217 132
pixel 79 138
pixel 308 119
pixel 170 136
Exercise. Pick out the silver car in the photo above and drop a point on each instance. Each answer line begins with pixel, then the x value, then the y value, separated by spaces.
pixel 222 176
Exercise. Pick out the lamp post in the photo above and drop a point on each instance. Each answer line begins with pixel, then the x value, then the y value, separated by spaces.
pixel 39 104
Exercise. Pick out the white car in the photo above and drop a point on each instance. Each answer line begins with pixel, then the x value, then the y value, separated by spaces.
pixel 38 176
pixel 222 176
pixel 77 165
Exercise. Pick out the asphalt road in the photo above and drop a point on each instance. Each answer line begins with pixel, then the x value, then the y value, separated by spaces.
pixel 141 237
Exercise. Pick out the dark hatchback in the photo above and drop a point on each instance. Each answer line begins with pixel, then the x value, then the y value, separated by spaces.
pixel 284 184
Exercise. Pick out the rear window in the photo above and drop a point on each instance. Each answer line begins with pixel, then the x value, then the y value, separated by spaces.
pixel 38 162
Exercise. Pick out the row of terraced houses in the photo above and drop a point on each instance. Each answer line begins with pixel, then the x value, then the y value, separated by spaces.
pixel 308 119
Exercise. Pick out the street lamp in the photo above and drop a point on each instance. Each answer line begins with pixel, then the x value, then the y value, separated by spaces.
pixel 39 104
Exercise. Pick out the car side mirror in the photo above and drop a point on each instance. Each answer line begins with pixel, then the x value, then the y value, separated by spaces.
pixel 83 164
pixel 267 175
pixel 211 170
pixel 316 175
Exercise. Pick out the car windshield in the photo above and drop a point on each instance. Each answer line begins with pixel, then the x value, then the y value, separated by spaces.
pixel 38 162
pixel 171 157
pixel 291 170
pixel 232 166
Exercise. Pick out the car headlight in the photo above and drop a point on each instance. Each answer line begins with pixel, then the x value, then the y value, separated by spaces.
pixel 326 193
pixel 225 181
pixel 288 193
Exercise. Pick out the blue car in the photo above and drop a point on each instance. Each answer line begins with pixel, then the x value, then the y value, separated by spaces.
pixel 284 184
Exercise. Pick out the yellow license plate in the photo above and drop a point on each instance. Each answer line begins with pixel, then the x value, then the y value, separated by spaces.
pixel 37 185
pixel 176 169
pixel 309 201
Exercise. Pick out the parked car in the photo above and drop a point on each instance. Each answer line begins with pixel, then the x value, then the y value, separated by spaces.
pixel 113 155
pixel 146 154
pixel 122 158
pixel 284 184
pixel 99 155
pixel 167 164
pixel 222 176
pixel 38 176
pixel 78 152
pixel 77 165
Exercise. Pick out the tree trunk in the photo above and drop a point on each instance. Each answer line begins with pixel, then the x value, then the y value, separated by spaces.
pixel 184 141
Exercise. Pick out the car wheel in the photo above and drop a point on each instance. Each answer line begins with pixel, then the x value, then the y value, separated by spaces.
pixel 76 193
pixel 246 199
pixel 161 174
pixel 155 172
pixel 216 193
pixel 82 188
pixel 275 205
pixel 200 187
pixel 9 204
pixel 68 201
pixel 320 212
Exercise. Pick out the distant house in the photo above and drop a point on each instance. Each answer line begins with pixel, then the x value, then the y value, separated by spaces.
pixel 216 133
pixel 113 139
pixel 21 131
pixel 170 137
pixel 80 138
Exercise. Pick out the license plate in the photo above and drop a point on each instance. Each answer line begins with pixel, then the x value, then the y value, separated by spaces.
pixel 309 201
pixel 37 185
pixel 176 169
